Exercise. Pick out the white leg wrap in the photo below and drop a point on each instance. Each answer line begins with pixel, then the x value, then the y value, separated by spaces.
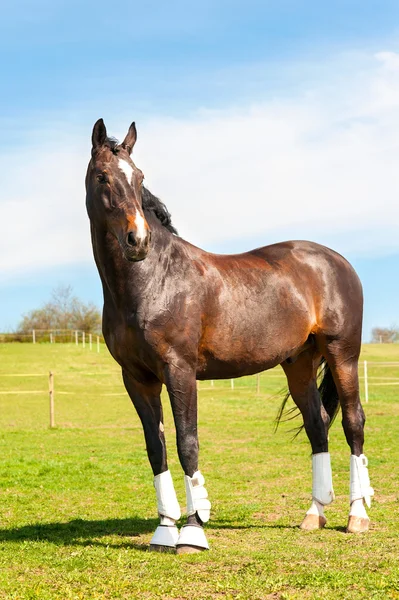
pixel 322 490
pixel 197 496
pixel 358 510
pixel 360 482
pixel 316 509
pixel 167 503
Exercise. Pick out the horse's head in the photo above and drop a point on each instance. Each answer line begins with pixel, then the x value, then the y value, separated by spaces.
pixel 113 192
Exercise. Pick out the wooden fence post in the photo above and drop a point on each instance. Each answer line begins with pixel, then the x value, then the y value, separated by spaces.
pixel 90 341
pixel 258 383
pixel 83 339
pixel 33 336
pixel 76 337
pixel 232 384
pixel 98 343
pixel 51 395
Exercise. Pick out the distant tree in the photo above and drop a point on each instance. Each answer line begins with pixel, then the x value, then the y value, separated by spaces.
pixel 86 317
pixel 40 318
pixel 63 311
pixel 385 334
pixel 62 305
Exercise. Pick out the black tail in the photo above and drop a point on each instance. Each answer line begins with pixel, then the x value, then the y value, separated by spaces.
pixel 328 391
pixel 328 395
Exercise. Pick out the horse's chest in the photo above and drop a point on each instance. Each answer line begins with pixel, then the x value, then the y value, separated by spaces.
pixel 124 341
pixel 135 342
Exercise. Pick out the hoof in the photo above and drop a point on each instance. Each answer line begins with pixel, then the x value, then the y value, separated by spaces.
pixel 192 539
pixel 164 539
pixel 357 524
pixel 312 522
pixel 157 548
pixel 189 549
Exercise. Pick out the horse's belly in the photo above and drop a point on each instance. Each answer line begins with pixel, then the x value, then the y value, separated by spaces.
pixel 214 368
pixel 248 348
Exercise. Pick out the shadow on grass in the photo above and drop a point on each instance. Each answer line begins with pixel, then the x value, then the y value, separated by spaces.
pixel 80 532
pixel 233 525
pixel 226 524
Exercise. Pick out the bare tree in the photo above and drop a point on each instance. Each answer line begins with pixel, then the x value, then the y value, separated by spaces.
pixel 40 318
pixel 385 334
pixel 63 311
pixel 62 301
pixel 86 317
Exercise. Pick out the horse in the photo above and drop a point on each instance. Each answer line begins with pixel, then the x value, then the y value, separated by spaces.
pixel 174 314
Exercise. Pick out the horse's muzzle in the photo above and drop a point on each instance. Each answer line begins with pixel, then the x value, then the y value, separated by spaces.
pixel 135 248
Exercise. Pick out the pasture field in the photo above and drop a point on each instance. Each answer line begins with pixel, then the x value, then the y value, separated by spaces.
pixel 77 506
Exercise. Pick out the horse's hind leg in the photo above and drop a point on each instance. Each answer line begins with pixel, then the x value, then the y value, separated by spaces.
pixel 302 382
pixel 147 402
pixel 342 357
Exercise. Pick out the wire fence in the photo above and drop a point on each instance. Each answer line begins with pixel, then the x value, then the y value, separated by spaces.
pixel 80 389
pixel 53 336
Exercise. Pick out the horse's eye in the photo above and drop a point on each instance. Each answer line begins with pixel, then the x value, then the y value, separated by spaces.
pixel 102 178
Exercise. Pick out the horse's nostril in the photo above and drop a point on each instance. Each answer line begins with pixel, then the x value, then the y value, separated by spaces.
pixel 131 240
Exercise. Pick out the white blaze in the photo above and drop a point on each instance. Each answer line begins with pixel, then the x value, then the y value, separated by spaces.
pixel 126 169
pixel 140 223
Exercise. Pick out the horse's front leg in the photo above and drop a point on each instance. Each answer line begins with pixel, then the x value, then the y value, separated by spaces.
pixel 182 388
pixel 147 402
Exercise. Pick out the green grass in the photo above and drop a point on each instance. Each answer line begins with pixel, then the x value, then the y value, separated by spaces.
pixel 78 505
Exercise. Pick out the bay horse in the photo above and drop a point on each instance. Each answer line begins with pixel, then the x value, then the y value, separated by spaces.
pixel 174 313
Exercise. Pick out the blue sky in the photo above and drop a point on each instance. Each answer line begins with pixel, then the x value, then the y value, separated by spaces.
pixel 302 97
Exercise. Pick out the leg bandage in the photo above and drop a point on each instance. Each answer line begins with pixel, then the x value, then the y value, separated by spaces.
pixel 197 496
pixel 322 490
pixel 167 503
pixel 359 480
pixel 316 508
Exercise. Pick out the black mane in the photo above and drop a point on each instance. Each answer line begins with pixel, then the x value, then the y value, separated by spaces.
pixel 152 204
pixel 113 144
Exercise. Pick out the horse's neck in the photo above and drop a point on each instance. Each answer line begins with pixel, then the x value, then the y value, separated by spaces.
pixel 124 283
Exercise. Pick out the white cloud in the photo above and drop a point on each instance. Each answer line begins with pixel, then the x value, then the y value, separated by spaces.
pixel 43 214
pixel 321 161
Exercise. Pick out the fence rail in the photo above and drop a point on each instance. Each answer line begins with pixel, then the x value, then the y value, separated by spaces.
pixel 53 336
pixel 257 383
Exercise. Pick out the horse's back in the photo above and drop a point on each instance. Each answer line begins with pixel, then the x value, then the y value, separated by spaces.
pixel 317 271
pixel 333 284
pixel 264 304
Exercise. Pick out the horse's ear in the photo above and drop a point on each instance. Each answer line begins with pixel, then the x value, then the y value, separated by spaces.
pixel 130 139
pixel 99 134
